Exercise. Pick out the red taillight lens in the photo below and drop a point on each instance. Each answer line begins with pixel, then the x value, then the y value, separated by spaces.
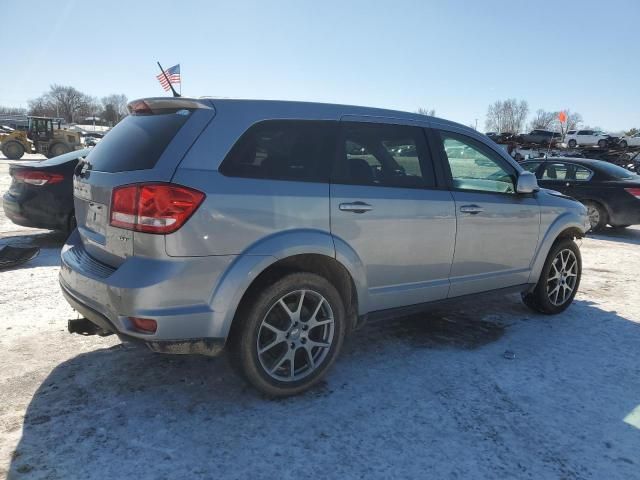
pixel 153 207
pixel 634 191
pixel 38 178
pixel 144 325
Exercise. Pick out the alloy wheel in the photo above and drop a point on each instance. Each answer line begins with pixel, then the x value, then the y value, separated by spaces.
pixel 295 335
pixel 562 278
pixel 594 215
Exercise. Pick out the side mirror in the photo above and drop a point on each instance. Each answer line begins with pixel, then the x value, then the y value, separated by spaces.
pixel 527 183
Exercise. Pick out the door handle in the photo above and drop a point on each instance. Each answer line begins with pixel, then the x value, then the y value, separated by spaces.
pixel 355 207
pixel 472 209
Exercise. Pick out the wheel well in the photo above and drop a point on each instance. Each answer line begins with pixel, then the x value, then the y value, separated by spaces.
pixel 571 232
pixel 597 202
pixel 322 265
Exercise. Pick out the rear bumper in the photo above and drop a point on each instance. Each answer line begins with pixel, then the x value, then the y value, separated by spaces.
pixel 174 292
pixel 31 215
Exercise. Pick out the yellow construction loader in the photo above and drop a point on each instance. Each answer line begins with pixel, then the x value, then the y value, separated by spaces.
pixel 41 137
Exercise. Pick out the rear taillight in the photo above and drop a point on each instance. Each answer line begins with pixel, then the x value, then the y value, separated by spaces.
pixel 153 207
pixel 634 191
pixel 38 178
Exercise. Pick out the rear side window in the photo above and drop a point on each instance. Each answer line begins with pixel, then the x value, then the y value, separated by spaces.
pixel 582 174
pixel 284 150
pixel 555 171
pixel 137 142
pixel 384 155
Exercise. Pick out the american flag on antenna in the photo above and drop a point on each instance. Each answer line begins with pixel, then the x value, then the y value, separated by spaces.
pixel 173 74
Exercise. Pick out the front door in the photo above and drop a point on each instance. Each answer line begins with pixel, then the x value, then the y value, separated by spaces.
pixel 497 229
pixel 385 207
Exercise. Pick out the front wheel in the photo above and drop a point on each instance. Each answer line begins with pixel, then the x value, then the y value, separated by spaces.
pixel 602 143
pixel 289 334
pixel 572 144
pixel 559 280
pixel 623 144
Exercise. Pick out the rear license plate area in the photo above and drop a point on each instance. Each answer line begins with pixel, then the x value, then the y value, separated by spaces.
pixel 96 219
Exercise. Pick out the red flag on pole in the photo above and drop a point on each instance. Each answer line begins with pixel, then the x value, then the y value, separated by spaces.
pixel 562 116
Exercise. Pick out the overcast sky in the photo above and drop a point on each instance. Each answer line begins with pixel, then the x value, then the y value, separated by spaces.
pixel 454 56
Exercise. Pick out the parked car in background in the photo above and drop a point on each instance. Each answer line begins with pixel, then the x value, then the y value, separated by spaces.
pixel 277 228
pixel 588 138
pixel 610 193
pixel 630 141
pixel 541 137
pixel 503 137
pixel 41 192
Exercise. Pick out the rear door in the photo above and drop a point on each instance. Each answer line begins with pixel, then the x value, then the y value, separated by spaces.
pixel 386 207
pixel 497 229
pixel 145 146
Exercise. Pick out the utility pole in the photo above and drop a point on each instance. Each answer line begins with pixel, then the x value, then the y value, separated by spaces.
pixel 476 127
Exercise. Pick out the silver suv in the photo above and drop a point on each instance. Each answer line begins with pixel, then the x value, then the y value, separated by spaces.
pixel 273 229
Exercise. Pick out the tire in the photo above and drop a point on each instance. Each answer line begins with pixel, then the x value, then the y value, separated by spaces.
pixel 561 273
pixel 58 149
pixel 620 226
pixel 602 143
pixel 623 144
pixel 269 335
pixel 597 215
pixel 13 150
pixel 572 144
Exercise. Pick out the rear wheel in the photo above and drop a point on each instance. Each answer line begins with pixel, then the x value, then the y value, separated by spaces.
pixel 598 217
pixel 572 143
pixel 12 150
pixel 289 334
pixel 58 149
pixel 559 280
pixel 602 143
pixel 623 144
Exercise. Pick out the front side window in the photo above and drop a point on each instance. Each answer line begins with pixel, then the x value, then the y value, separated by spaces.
pixel 476 167
pixel 384 155
pixel 284 150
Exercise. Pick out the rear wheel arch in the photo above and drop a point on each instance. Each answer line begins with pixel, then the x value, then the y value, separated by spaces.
pixel 327 267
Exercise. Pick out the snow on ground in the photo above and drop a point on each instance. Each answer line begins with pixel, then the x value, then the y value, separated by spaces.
pixel 430 396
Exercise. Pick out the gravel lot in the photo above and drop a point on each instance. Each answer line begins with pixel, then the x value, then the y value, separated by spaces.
pixel 430 396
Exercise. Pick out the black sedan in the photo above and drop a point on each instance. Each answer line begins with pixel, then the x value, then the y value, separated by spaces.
pixel 41 192
pixel 610 193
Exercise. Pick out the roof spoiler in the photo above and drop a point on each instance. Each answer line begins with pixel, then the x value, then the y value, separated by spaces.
pixel 158 105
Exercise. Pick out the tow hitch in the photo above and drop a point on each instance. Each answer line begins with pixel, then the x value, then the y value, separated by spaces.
pixel 82 326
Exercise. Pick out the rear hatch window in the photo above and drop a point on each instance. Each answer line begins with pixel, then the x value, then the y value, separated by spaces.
pixel 137 142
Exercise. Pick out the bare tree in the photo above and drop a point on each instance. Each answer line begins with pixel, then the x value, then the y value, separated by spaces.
pixel 543 119
pixel 507 116
pixel 61 101
pixel 115 107
pixel 426 111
